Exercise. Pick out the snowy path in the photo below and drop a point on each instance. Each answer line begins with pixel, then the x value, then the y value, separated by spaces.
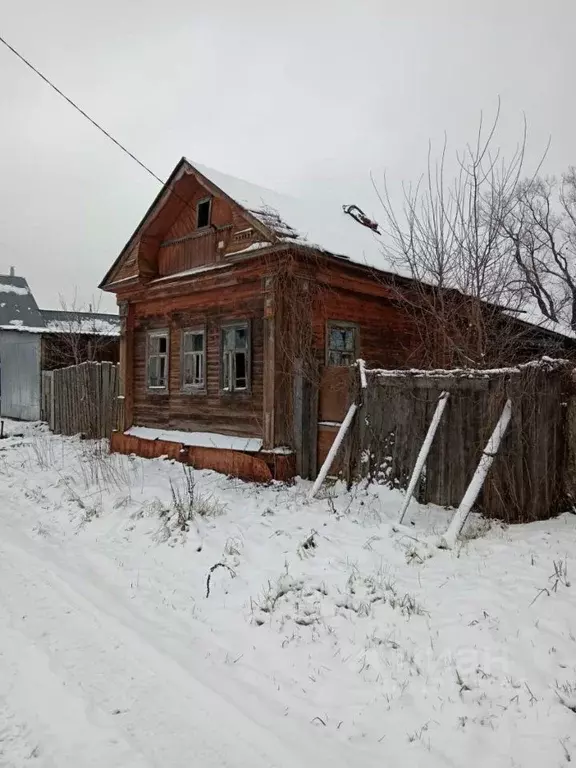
pixel 96 686
pixel 361 650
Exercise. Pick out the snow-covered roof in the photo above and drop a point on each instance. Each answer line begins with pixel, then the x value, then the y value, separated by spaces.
pixel 320 224
pixel 88 323
pixel 18 307
pixel 315 223
pixel 326 227
pixel 531 315
pixel 21 290
pixel 19 312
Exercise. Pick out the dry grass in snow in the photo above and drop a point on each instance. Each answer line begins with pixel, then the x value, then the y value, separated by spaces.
pixel 347 644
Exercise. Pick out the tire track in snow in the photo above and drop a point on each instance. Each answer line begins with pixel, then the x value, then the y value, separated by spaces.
pixel 58 733
pixel 163 711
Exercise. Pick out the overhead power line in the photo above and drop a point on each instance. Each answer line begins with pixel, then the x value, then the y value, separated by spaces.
pixel 80 110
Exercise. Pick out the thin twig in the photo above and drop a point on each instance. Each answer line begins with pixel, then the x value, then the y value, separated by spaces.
pixel 211 571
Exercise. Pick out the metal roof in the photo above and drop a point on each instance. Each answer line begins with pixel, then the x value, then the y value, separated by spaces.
pixel 19 311
pixel 17 304
pixel 93 323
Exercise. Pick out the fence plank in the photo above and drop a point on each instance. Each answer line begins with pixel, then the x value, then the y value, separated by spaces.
pixel 526 480
pixel 81 399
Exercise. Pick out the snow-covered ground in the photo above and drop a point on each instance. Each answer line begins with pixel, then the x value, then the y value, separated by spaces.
pixel 326 639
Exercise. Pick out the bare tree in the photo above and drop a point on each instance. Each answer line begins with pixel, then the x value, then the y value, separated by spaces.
pixel 451 237
pixel 543 231
pixel 76 336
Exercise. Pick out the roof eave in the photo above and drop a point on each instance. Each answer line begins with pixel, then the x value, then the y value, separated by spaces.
pixel 150 210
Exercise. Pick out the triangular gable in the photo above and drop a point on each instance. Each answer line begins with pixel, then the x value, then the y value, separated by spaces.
pixel 133 261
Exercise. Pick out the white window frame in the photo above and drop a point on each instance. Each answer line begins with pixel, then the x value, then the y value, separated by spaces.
pixel 228 358
pixel 200 354
pixel 165 334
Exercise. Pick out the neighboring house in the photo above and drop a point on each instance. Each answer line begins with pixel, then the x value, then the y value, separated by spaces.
pixel 32 340
pixel 241 312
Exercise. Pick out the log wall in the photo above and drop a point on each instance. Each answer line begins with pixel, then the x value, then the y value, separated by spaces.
pixel 238 413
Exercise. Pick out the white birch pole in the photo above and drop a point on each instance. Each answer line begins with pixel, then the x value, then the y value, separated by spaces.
pixel 423 454
pixel 488 455
pixel 333 450
pixel 362 370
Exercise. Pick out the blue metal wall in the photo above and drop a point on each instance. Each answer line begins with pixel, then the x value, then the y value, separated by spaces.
pixel 20 375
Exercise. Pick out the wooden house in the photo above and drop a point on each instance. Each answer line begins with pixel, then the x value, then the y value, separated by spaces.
pixel 241 312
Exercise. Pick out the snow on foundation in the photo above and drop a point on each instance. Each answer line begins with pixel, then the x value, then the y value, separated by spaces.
pixel 198 439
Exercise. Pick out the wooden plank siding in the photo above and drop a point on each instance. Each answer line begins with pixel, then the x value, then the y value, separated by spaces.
pixel 172 243
pixel 196 250
pixel 242 465
pixel 128 266
pixel 525 482
pixel 288 293
pixel 239 413
pixel 384 340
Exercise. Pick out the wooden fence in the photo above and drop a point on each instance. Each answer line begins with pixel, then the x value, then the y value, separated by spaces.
pixel 81 399
pixel 526 481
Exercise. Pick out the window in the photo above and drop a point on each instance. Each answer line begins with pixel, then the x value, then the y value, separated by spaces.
pixel 341 344
pixel 235 358
pixel 203 214
pixel 193 360
pixel 158 360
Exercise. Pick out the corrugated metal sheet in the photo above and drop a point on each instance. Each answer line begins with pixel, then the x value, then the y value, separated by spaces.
pixel 20 375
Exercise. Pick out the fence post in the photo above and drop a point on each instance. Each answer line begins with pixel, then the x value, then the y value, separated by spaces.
pixel 424 451
pixel 333 450
pixel 488 456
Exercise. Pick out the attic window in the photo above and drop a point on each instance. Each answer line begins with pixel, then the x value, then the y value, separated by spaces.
pixel 203 210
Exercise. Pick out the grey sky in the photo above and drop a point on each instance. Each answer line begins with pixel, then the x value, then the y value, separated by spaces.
pixel 305 97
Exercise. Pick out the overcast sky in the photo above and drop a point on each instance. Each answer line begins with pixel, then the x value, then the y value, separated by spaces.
pixel 304 97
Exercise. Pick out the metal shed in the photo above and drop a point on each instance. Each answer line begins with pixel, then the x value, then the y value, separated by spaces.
pixel 19 350
pixel 31 337
pixel 20 375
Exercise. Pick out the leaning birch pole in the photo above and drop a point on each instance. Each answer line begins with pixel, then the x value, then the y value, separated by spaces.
pixel 488 455
pixel 423 454
pixel 333 450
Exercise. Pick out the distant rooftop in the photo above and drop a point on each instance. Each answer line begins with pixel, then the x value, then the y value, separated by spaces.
pixel 95 323
pixel 20 312
pixel 17 304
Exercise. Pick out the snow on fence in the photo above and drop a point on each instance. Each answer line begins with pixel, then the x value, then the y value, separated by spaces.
pixel 81 399
pixel 527 479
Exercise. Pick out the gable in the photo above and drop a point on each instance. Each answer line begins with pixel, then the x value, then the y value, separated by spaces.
pixel 127 267
pixel 169 241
